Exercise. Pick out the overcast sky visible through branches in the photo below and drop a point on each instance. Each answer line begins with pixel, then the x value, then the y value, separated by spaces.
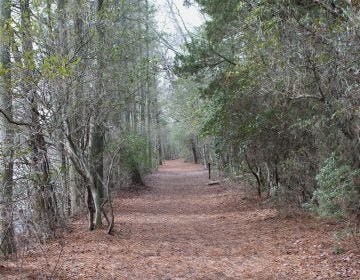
pixel 187 19
pixel 189 15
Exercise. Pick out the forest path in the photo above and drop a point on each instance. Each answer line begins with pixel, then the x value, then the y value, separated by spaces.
pixel 181 228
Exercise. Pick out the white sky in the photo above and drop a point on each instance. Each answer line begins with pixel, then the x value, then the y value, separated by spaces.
pixel 190 15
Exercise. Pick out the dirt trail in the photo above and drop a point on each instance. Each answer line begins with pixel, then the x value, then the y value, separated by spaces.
pixel 181 228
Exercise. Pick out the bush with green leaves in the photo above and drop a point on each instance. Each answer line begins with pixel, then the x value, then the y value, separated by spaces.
pixel 337 194
pixel 135 157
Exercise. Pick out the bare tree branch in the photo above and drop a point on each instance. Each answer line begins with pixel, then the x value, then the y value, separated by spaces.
pixel 11 120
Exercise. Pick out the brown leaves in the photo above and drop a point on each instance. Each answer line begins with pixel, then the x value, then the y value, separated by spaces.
pixel 183 229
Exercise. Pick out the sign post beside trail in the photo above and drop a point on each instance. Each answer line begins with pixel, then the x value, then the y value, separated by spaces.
pixel 209 168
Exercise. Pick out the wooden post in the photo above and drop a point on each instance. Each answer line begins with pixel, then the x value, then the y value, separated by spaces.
pixel 209 168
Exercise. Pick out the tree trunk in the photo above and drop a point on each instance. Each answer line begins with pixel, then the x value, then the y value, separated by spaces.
pixel 193 149
pixel 46 215
pixel 75 198
pixel 7 234
pixel 98 131
pixel 75 181
pixel 97 158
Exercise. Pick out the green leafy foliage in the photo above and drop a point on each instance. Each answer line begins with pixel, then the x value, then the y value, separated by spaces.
pixel 280 94
pixel 337 193
pixel 134 157
pixel 54 67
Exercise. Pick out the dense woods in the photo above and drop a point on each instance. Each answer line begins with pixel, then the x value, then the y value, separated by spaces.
pixel 79 111
pixel 276 85
pixel 265 91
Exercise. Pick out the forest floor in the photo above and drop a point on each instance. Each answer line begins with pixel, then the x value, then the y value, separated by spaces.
pixel 179 227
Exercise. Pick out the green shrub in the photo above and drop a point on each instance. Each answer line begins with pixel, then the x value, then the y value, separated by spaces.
pixel 337 194
pixel 134 157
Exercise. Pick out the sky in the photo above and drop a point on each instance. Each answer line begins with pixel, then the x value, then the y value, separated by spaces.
pixel 192 18
pixel 190 15
pixel 188 18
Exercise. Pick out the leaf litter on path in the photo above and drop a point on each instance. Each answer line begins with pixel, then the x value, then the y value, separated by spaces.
pixel 182 228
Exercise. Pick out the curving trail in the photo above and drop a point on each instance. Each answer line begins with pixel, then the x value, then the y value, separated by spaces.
pixel 181 228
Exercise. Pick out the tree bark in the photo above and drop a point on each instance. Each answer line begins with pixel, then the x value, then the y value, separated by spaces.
pixel 98 130
pixel 193 149
pixel 45 204
pixel 7 233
